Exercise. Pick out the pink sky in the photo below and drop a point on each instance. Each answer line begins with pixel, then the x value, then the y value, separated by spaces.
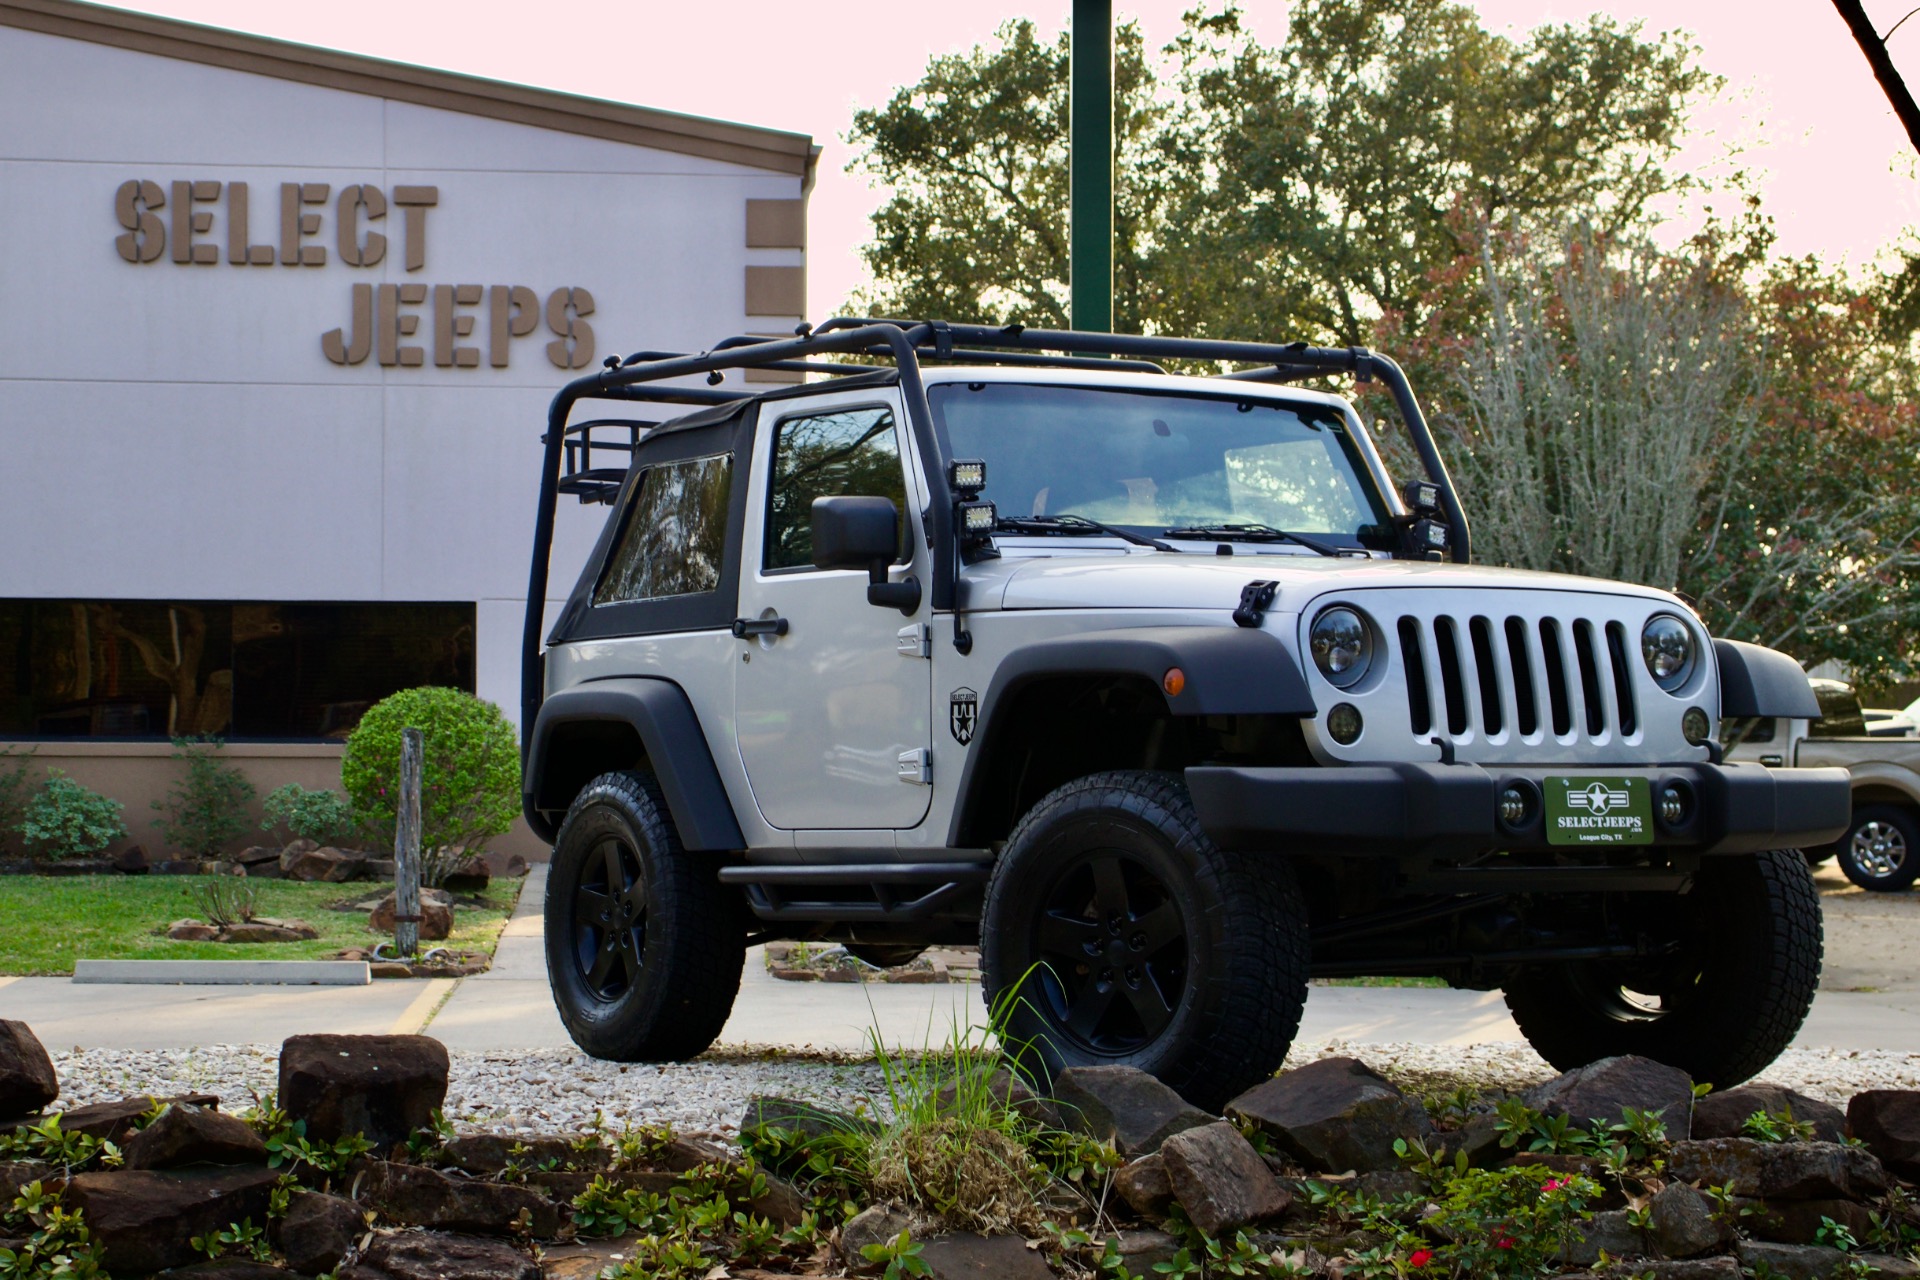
pixel 1838 177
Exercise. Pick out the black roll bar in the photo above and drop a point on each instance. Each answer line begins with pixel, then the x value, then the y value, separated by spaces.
pixel 907 343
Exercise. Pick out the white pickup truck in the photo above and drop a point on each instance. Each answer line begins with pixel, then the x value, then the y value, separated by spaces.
pixel 1881 849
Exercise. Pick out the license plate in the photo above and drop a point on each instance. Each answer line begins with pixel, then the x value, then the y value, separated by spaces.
pixel 1589 810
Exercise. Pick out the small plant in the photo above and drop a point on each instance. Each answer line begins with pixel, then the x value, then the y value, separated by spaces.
pixel 224 900
pixel 470 776
pixel 1835 1235
pixel 317 814
pixel 206 810
pixel 67 820
pixel 49 1143
pixel 290 1146
pixel 14 788
pixel 236 1237
pixel 901 1256
pixel 1777 1126
pixel 53 1241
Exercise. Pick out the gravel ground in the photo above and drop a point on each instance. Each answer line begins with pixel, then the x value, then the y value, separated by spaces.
pixel 560 1091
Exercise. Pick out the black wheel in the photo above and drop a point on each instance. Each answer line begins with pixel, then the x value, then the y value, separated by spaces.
pixel 644 945
pixel 1721 1006
pixel 1881 850
pixel 1119 934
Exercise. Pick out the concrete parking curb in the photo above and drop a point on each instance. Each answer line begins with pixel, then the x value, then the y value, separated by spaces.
pixel 305 973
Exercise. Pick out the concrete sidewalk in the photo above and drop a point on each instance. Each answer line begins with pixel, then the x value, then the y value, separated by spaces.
pixel 510 1008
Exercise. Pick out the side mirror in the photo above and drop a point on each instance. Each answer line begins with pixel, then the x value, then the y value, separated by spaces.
pixel 863 533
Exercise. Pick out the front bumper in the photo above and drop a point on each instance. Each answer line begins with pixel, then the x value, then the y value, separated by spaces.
pixel 1445 810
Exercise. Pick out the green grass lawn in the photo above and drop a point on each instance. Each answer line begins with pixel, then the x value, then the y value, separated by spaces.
pixel 46 923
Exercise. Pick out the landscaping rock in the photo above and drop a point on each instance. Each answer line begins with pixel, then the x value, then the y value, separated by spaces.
pixel 266 929
pixel 685 1154
pixel 15 1174
pixel 1390 1184
pixel 255 855
pixel 1609 1231
pixel 564 1187
pixel 1011 1092
pixel 967 1256
pixel 331 866
pixel 1683 1223
pixel 781 1203
pixel 116 1121
pixel 1886 1266
pixel 1333 1115
pixel 1720 1115
pixel 485 1153
pixel 27 1079
pixel 436 918
pixel 1799 1221
pixel 1125 1105
pixel 471 876
pixel 1721 1268
pixel 382 1086
pixel 1139 1249
pixel 419 1255
pixel 875 1224
pixel 1779 1170
pixel 504 866
pixel 1220 1180
pixel 132 861
pixel 1144 1185
pixel 424 1197
pixel 1602 1090
pixel 230 1269
pixel 318 1230
pixel 185 1134
pixel 193 931
pixel 1790 1261
pixel 803 1118
pixel 144 1219
pixel 382 869
pixel 1888 1121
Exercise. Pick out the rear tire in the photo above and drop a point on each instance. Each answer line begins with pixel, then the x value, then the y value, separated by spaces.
pixel 1116 933
pixel 1721 1008
pixel 1881 850
pixel 644 945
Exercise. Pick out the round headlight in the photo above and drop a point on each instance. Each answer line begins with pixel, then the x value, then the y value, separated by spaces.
pixel 1667 645
pixel 1342 645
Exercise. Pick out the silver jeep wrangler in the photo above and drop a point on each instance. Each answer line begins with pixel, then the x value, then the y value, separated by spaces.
pixel 1157 686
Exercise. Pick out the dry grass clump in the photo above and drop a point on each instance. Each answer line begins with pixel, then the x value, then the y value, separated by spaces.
pixel 970 1177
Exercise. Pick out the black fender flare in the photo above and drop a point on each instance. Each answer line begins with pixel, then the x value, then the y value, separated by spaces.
pixel 661 715
pixel 1757 681
pixel 1229 671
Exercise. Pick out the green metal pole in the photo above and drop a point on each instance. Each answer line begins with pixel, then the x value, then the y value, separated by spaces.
pixel 1090 222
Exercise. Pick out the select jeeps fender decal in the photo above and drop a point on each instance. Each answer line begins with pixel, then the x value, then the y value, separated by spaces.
pixel 661 716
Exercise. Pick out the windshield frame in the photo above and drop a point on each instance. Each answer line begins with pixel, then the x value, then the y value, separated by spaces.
pixel 1370 473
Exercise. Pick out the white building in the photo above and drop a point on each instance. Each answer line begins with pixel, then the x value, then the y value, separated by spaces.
pixel 278 329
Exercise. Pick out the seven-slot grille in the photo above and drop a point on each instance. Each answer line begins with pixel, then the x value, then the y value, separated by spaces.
pixel 1485 677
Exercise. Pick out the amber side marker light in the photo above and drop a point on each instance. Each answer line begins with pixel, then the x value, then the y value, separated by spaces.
pixel 1174 681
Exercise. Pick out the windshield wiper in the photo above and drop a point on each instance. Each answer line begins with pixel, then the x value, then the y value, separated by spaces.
pixel 1254 533
pixel 1072 524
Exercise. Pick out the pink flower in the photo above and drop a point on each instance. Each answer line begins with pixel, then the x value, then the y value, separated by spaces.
pixel 1552 1184
pixel 1419 1258
pixel 1503 1242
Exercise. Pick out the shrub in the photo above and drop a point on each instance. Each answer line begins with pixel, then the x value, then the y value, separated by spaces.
pixel 67 820
pixel 470 776
pixel 224 900
pixel 317 814
pixel 13 792
pixel 206 810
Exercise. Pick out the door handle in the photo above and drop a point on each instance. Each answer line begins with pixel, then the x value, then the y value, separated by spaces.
pixel 746 627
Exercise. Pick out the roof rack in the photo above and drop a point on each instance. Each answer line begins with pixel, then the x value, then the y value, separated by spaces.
pixel 902 347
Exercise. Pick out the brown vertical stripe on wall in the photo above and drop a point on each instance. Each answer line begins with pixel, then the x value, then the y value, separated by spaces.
pixel 776 224
pixel 777 291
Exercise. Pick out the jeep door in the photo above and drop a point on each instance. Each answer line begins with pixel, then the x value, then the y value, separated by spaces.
pixel 832 711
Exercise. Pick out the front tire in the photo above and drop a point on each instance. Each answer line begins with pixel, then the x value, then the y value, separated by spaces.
pixel 1116 933
pixel 644 945
pixel 1722 1007
pixel 1881 850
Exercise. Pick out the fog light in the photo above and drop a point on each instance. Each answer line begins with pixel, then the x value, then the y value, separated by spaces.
pixel 1673 806
pixel 1344 723
pixel 1514 807
pixel 1696 726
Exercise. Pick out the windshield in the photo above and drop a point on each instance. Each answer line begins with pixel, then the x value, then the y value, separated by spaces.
pixel 1151 462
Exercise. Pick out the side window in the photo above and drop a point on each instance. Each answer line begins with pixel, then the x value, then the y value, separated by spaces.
pixel 676 533
pixel 852 453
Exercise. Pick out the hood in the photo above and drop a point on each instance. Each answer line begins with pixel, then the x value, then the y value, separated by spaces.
pixel 1149 579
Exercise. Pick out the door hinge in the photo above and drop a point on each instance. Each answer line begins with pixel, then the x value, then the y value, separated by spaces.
pixel 916 767
pixel 915 641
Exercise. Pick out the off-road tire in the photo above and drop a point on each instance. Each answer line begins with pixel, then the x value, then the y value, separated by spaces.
pixel 1750 961
pixel 1236 982
pixel 1881 850
pixel 686 933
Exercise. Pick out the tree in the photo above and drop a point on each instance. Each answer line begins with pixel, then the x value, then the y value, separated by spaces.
pixel 1298 190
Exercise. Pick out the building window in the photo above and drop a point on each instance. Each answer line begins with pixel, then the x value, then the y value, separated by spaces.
pixel 246 671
